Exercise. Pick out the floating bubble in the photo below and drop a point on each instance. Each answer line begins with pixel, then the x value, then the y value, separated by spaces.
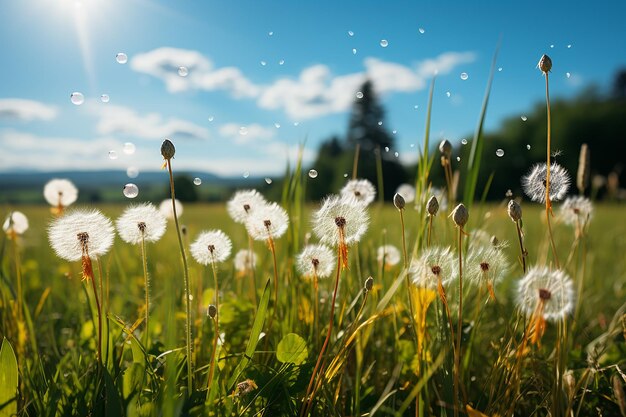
pixel 528 146
pixel 416 107
pixel 296 123
pixel 281 62
pixel 396 154
pixel 500 69
pixel 394 131
pixel 422 31
pixel 271 33
pixel 104 98
pixel 211 118
pixel 464 76
pixel 500 153
pixel 121 58
pixel 569 46
pixel 77 98
pixel 183 71
pixel 268 180
pixel 384 43
pixel 112 155
pixel 197 181
pixel 552 46
pixel 524 118
pixel 312 173
pixel 412 145
pixel 380 123
pixel 567 74
pixel 246 174
pixel 386 148
pixel 345 175
pixel 132 172
pixel 353 51
pixel 243 130
pixel 359 94
pixel 129 148
pixel 464 141
pixel 350 33
pixel 263 63
pixel 131 190
pixel 277 125
pixel 448 94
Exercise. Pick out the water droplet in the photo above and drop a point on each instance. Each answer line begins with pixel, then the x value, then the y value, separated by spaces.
pixel 277 125
pixel 268 180
pixel 396 154
pixel 121 58
pixel 464 141
pixel 129 148
pixel 422 31
pixel 380 123
pixel 500 69
pixel 394 131
pixel 296 123
pixel 243 130
pixel 500 153
pixel 183 71
pixel 197 181
pixel 386 148
pixel 353 51
pixel 567 74
pixel 569 46
pixel 246 174
pixel 350 33
pixel 528 146
pixel 448 94
pixel 412 145
pixel 384 43
pixel 77 98
pixel 345 175
pixel 359 94
pixel 112 155
pixel 524 118
pixel 132 172
pixel 211 118
pixel 281 62
pixel 263 63
pixel 416 107
pixel 131 190
pixel 104 98
pixel 552 46
pixel 271 33
pixel 313 173
pixel 472 378
pixel 464 76
pixel 458 159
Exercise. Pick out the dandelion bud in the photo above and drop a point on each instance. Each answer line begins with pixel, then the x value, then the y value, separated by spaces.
pixel 545 64
pixel 514 210
pixel 582 177
pixel 369 284
pixel 445 147
pixel 167 149
pixel 460 215
pixel 398 201
pixel 432 206
pixel 212 311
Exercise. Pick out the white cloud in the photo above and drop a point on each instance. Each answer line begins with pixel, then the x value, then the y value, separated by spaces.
pixel 126 121
pixel 244 134
pixel 164 62
pixel 26 110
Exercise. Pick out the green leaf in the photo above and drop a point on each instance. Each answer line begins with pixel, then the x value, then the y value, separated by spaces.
pixel 8 380
pixel 292 349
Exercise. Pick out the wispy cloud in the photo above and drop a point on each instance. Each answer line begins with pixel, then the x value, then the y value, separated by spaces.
pixel 315 92
pixel 126 121
pixel 26 110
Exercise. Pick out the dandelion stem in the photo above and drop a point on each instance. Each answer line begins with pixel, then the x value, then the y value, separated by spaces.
pixel 430 227
pixel 251 270
pixel 217 329
pixel 146 290
pixel 99 311
pixel 355 162
pixel 521 245
pixel 186 279
pixel 457 350
pixel 548 202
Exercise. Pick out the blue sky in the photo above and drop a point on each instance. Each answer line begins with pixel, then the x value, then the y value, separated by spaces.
pixel 265 76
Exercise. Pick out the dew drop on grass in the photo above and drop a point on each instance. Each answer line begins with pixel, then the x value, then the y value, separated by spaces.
pixel 129 148
pixel 567 74
pixel 464 141
pixel 246 174
pixel 350 33
pixel 464 76
pixel 183 71
pixel 524 118
pixel 359 94
pixel 131 190
pixel 313 173
pixel 528 146
pixel 197 181
pixel 132 172
pixel 121 58
pixel 500 153
pixel 422 30
pixel 353 51
pixel 77 98
pixel 104 98
pixel 384 43
pixel 277 125
pixel 268 180
pixel 243 131
pixel 112 155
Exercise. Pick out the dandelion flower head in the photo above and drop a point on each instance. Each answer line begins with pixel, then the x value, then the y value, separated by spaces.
pixel 434 264
pixel 485 265
pixel 316 260
pixel 340 220
pixel 141 222
pixel 245 260
pixel 407 191
pixel 534 183
pixel 554 289
pixel 576 210
pixel 388 254
pixel 243 203
pixel 210 247
pixel 362 191
pixel 269 221
pixel 16 223
pixel 79 231
pixel 60 192
pixel 166 208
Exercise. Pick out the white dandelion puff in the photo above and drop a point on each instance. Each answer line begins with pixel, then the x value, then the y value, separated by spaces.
pixel 141 222
pixel 388 254
pixel 363 191
pixel 166 208
pixel 16 223
pixel 60 193
pixel 551 292
pixel 316 261
pixel 244 202
pixel 211 247
pixel 435 266
pixel 79 231
pixel 407 191
pixel 534 183
pixel 480 238
pixel 486 266
pixel 576 211
pixel 245 260
pixel 268 221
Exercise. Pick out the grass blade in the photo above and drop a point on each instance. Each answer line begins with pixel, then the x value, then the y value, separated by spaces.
pixel 8 380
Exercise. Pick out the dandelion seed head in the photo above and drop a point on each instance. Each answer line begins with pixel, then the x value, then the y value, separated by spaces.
pixel 15 223
pixel 316 259
pixel 407 191
pixel 139 222
pixel 485 264
pixel 534 183
pixel 481 238
pixel 60 192
pixel 340 215
pixel 211 247
pixel 576 211
pixel 363 191
pixel 389 254
pixel 433 264
pixel 244 260
pixel 68 234
pixel 243 203
pixel 166 208
pixel 267 221
pixel 554 288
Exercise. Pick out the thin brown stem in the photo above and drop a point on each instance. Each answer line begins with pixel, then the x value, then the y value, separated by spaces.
pixel 548 201
pixel 355 162
pixel 251 270
pixel 457 350
pixel 146 291
pixel 520 237
pixel 217 328
pixel 99 310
